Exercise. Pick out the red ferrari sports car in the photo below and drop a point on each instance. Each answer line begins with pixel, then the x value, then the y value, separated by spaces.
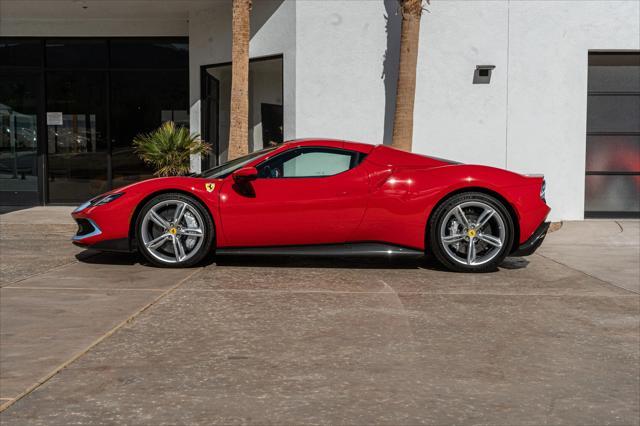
pixel 324 197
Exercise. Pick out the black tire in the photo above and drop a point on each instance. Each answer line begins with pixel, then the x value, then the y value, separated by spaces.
pixel 437 247
pixel 207 227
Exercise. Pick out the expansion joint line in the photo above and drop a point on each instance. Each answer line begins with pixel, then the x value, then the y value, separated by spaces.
pixel 96 342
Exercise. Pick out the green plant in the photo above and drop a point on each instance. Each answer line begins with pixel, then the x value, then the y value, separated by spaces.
pixel 168 149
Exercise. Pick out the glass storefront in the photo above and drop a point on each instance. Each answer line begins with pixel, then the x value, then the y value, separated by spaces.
pixel 70 108
pixel 612 183
pixel 19 97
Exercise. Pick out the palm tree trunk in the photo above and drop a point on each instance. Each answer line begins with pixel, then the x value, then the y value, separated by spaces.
pixel 239 120
pixel 406 92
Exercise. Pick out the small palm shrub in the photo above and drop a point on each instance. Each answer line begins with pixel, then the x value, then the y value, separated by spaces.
pixel 168 149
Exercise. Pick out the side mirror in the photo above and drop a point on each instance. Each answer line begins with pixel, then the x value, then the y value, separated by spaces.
pixel 245 174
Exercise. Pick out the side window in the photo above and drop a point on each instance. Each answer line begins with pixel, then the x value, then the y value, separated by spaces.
pixel 309 162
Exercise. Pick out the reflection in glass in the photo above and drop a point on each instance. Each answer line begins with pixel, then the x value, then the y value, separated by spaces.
pixel 612 193
pixel 149 54
pixel 147 79
pixel 23 53
pixel 140 108
pixel 74 53
pixel 77 148
pixel 614 72
pixel 613 113
pixel 18 131
pixel 613 153
pixel 612 185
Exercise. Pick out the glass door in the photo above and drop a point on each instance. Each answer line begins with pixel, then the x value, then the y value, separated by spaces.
pixel 211 112
pixel 612 183
pixel 19 94
pixel 71 107
pixel 76 135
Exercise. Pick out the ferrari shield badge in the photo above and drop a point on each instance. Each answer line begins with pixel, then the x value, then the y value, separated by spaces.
pixel 210 186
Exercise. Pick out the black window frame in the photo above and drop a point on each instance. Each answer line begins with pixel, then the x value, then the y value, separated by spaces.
pixel 205 113
pixel 594 93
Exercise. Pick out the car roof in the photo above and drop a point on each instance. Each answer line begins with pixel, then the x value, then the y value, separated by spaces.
pixel 332 143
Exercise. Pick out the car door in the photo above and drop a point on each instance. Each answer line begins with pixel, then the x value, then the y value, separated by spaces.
pixel 305 195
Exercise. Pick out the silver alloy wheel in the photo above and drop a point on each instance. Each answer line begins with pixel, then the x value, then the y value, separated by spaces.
pixel 172 231
pixel 473 233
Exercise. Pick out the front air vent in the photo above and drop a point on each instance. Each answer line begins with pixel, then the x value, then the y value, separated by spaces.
pixel 84 227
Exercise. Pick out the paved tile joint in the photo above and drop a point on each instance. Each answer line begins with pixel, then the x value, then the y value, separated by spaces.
pixel 549 339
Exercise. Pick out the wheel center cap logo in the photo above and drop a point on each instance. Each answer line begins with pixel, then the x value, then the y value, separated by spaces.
pixel 471 233
pixel 173 231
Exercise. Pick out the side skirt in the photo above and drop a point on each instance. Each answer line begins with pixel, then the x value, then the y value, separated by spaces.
pixel 329 250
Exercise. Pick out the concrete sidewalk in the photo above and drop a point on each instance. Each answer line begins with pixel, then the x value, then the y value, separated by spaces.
pixel 608 250
pixel 549 339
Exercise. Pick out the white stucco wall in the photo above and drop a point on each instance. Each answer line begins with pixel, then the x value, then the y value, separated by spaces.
pixel 340 89
pixel 107 18
pixel 273 29
pixel 532 117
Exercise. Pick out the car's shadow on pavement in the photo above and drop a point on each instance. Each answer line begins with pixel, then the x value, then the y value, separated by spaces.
pixel 322 262
pixel 109 258
pixel 427 262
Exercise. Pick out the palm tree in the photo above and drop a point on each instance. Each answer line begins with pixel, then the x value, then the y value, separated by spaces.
pixel 239 121
pixel 168 149
pixel 405 96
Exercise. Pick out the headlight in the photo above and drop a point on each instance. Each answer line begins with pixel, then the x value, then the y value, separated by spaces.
pixel 543 190
pixel 99 200
pixel 106 199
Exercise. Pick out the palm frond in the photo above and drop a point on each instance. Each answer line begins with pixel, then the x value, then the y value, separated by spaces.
pixel 168 149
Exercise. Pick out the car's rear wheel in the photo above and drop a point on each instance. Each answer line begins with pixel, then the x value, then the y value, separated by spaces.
pixel 471 232
pixel 174 230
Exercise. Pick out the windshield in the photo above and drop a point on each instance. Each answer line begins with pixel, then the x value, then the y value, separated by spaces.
pixel 224 170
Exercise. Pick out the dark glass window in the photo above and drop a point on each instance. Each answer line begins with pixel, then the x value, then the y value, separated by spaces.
pixel 77 146
pixel 613 113
pixel 140 108
pixel 612 183
pixel 613 153
pixel 76 53
pixel 149 54
pixel 613 193
pixel 74 105
pixel 614 73
pixel 19 96
pixel 24 53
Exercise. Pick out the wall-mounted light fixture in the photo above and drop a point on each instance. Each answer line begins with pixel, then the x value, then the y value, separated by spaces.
pixel 482 74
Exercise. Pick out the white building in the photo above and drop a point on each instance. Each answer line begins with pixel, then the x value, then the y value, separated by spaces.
pixel 563 98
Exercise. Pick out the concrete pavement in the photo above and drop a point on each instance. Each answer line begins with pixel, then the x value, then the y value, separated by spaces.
pixel 549 339
pixel 608 250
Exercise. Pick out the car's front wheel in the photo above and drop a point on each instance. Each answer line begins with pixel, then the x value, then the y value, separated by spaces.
pixel 471 232
pixel 174 230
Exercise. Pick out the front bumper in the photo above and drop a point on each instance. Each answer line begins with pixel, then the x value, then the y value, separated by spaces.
pixel 104 227
pixel 89 235
pixel 531 245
